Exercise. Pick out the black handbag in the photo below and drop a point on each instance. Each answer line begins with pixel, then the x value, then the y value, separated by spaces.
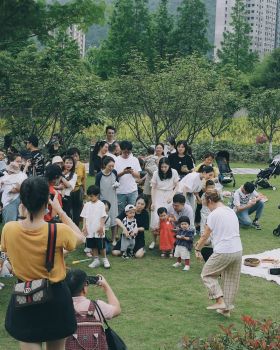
pixel 38 291
pixel 114 341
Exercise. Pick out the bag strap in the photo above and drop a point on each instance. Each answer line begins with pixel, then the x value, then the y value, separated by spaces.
pixel 52 234
pixel 100 313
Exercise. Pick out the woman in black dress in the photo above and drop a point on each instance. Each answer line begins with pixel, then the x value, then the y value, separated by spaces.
pixel 100 150
pixel 181 160
pixel 142 219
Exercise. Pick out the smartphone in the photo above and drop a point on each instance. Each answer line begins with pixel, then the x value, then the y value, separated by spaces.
pixel 52 196
pixel 93 279
pixel 128 167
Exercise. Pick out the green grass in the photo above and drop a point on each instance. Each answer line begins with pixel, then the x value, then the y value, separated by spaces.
pixel 248 165
pixel 161 304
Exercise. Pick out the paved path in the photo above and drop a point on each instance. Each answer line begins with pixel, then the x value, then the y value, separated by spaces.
pixel 245 171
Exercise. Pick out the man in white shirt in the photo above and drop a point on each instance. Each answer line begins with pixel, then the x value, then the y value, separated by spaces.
pixel 246 201
pixel 128 169
pixel 179 208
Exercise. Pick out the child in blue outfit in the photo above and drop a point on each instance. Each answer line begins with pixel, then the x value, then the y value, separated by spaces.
pixel 184 242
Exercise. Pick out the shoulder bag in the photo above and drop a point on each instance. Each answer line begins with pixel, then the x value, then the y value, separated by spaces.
pixel 37 291
pixel 114 341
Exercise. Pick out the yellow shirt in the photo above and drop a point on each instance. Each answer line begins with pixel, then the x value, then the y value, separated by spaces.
pixel 80 170
pixel 27 249
pixel 216 170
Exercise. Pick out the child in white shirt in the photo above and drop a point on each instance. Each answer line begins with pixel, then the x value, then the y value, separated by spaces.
pixel 94 216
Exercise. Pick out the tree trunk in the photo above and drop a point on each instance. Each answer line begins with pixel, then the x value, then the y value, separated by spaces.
pixel 270 149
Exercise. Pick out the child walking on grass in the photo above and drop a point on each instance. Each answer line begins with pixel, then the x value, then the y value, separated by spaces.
pixel 184 243
pixel 166 233
pixel 94 216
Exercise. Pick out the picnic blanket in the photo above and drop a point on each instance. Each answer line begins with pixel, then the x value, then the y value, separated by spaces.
pixel 262 269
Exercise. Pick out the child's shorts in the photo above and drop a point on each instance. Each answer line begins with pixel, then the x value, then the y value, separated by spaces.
pixel 95 243
pixel 181 252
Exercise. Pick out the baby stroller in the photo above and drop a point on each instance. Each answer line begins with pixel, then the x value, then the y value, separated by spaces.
pixel 265 174
pixel 226 175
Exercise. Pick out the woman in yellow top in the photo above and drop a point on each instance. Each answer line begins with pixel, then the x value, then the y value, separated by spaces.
pixel 26 243
pixel 77 195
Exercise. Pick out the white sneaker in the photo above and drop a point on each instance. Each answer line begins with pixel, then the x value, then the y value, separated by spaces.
pixel 186 268
pixel 106 263
pixel 152 245
pixel 177 264
pixel 95 263
pixel 87 250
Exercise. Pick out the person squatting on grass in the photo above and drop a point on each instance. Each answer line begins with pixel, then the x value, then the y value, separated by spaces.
pixel 184 242
pixel 222 225
pixel 246 201
pixel 94 216
pixel 25 242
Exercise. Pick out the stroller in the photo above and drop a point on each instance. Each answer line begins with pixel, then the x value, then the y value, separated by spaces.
pixel 265 174
pixel 276 231
pixel 226 175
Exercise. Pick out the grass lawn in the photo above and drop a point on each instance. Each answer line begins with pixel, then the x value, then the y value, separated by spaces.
pixel 161 304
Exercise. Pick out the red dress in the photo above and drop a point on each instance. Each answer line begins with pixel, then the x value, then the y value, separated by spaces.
pixel 166 235
pixel 52 191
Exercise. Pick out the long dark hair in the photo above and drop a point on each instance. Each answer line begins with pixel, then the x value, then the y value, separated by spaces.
pixel 34 194
pixel 98 147
pixel 72 171
pixel 161 174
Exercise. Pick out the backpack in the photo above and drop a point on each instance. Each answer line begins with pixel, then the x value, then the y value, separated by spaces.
pixel 89 335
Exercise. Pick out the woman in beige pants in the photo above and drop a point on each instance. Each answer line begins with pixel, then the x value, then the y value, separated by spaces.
pixel 223 229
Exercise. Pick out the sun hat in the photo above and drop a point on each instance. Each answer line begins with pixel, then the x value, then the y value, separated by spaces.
pixel 57 159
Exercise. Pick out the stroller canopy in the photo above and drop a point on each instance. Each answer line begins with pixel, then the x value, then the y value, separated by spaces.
pixel 222 159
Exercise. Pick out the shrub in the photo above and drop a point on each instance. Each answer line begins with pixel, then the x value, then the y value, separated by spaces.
pixel 256 335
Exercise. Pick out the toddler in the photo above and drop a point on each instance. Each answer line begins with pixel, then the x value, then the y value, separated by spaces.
pixel 166 233
pixel 184 242
pixel 129 227
pixel 94 216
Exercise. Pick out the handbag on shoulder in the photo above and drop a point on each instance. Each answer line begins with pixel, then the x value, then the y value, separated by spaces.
pixel 37 291
pixel 114 341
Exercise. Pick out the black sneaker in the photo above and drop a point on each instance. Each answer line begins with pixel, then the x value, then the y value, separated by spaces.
pixel 256 225
pixel 125 256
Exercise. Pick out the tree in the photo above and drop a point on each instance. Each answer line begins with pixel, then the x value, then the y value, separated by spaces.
pixel 267 72
pixel 264 113
pixel 190 34
pixel 21 20
pixel 235 47
pixel 162 28
pixel 172 101
pixel 49 91
pixel 130 30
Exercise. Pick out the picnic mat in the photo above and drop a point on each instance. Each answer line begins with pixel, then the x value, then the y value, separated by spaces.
pixel 262 269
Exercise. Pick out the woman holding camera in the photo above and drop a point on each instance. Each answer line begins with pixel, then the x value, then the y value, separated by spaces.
pixel 26 244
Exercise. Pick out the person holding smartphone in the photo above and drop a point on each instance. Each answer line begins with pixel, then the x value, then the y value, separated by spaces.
pixel 128 169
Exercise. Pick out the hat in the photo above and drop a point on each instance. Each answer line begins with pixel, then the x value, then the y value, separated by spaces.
pixel 57 159
pixel 129 207
pixel 76 280
pixel 13 168
pixel 33 139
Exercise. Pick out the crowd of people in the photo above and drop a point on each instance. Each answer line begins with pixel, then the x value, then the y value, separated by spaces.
pixel 163 191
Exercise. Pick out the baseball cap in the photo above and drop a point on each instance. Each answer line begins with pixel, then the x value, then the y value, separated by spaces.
pixel 129 207
pixel 57 159
pixel 33 139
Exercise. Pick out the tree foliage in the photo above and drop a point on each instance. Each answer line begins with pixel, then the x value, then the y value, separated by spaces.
pixel 48 91
pixel 264 113
pixel 21 20
pixel 190 34
pixel 235 47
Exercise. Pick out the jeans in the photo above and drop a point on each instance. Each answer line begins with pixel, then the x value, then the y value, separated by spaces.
pixel 243 216
pixel 125 199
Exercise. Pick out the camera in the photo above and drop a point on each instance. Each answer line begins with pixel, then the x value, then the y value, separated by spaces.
pixel 93 279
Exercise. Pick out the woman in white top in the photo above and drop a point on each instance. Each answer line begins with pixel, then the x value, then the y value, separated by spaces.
pixel 165 183
pixel 223 228
pixel 67 184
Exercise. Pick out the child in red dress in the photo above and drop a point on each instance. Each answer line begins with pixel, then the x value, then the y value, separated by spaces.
pixel 166 233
